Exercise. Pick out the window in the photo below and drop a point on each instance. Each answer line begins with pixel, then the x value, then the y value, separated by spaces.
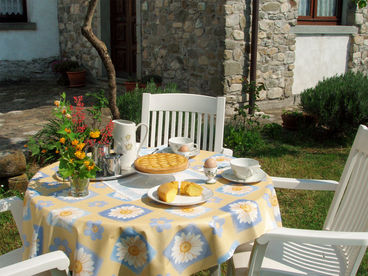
pixel 321 12
pixel 13 11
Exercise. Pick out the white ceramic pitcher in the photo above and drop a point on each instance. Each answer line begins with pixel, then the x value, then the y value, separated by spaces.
pixel 125 142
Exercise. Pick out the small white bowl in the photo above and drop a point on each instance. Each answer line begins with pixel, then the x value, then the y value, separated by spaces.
pixel 176 142
pixel 244 167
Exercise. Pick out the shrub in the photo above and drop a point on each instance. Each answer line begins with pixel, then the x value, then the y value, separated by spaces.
pixel 130 103
pixel 339 103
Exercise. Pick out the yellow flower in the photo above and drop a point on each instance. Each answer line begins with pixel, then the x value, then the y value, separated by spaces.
pixel 80 154
pixel 67 130
pixel 91 167
pixel 80 146
pixel 57 103
pixel 86 163
pixel 71 160
pixel 62 140
pixel 95 134
pixel 75 142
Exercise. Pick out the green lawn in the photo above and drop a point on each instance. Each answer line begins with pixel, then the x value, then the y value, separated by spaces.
pixel 282 153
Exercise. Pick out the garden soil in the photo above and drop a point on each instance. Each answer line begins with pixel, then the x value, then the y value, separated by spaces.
pixel 25 107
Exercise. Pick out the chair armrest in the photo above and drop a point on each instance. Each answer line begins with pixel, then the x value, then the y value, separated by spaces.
pixel 45 262
pixel 226 151
pixel 304 184
pixel 315 237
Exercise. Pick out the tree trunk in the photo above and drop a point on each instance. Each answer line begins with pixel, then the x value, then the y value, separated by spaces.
pixel 104 54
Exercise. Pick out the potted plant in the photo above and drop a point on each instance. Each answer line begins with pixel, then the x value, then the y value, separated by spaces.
pixel 131 83
pixel 70 72
pixel 151 78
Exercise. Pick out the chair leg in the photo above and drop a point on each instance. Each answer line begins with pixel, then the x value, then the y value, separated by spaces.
pixel 230 270
pixel 215 270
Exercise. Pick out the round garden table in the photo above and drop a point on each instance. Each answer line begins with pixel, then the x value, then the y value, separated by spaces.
pixel 118 230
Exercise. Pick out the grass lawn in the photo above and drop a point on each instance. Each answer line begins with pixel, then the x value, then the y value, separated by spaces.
pixel 282 153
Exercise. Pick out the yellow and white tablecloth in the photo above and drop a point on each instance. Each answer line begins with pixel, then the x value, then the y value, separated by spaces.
pixel 118 230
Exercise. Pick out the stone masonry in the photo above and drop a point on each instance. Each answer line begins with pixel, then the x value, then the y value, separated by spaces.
pixel 73 44
pixel 204 46
pixel 183 41
pixel 359 51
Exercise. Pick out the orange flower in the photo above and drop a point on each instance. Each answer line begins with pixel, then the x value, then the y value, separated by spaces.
pixel 62 140
pixel 67 130
pixel 66 148
pixel 63 111
pixel 94 134
pixel 86 163
pixel 56 151
pixel 26 146
pixel 80 146
pixel 80 154
pixel 75 142
pixel 57 103
pixel 91 167
pixel 43 151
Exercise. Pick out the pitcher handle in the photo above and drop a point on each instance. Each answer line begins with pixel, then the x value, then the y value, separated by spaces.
pixel 145 136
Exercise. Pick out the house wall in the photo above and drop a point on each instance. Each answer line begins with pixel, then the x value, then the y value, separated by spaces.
pixel 25 52
pixel 318 57
pixel 183 41
pixel 73 45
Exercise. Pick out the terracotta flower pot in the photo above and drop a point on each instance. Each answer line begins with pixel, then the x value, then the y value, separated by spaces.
pixel 77 79
pixel 130 85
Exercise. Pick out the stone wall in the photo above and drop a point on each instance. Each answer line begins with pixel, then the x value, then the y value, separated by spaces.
pixel 359 51
pixel 183 41
pixel 24 70
pixel 73 45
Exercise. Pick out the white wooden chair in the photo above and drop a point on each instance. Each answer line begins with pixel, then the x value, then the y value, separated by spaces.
pixel 337 249
pixel 186 115
pixel 42 265
pixel 11 263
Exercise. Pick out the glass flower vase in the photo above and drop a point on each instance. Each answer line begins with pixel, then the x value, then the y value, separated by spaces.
pixel 79 186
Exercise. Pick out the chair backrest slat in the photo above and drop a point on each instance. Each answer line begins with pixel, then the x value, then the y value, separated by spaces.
pixel 193 125
pixel 180 124
pixel 173 124
pixel 212 127
pixel 196 116
pixel 349 207
pixel 205 131
pixel 153 129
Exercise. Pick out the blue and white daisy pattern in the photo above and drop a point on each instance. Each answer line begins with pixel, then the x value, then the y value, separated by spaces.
pixel 65 196
pixel 97 203
pixel 161 224
pixel 36 242
pixel 85 262
pixel 214 199
pixel 99 185
pixel 244 213
pixel 272 202
pixel 125 212
pixel 52 185
pixel 62 245
pixel 132 250
pixel 238 190
pixel 94 229
pixel 187 247
pixel 229 253
pixel 189 211
pixel 39 175
pixel 44 203
pixel 65 217
pixel 119 196
pixel 216 223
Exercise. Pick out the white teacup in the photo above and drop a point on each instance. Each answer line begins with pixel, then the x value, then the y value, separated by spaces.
pixel 176 143
pixel 244 167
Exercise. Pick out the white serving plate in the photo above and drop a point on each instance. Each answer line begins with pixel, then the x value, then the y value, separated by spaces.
pixel 258 176
pixel 181 200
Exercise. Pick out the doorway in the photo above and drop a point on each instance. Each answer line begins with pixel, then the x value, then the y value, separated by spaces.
pixel 123 37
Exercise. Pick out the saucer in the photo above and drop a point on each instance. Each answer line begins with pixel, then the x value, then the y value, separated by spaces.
pixel 258 176
pixel 191 154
